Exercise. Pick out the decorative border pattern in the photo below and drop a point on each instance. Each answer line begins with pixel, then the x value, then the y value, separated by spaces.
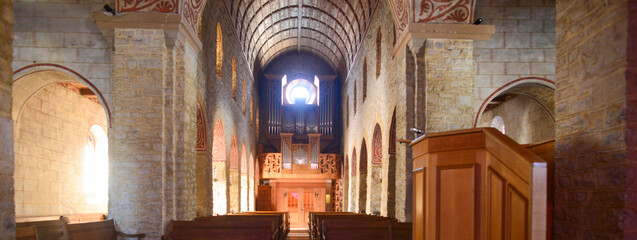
pixel 192 13
pixel 400 8
pixel 219 143
pixel 163 6
pixel 201 129
pixel 377 146
pixel 443 11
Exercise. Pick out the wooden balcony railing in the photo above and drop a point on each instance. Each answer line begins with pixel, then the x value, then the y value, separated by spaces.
pixel 477 184
pixel 271 167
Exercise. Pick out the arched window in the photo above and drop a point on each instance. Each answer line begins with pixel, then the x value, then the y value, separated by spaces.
pixel 364 79
pixel 363 158
pixel 219 50
pixel 234 79
pixel 251 111
pixel 379 51
pixel 355 98
pixel 96 166
pixel 244 97
pixel 498 123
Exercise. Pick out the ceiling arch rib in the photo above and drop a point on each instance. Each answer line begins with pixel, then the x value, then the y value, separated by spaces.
pixel 332 57
pixel 319 36
pixel 272 29
pixel 303 48
pixel 267 56
pixel 330 28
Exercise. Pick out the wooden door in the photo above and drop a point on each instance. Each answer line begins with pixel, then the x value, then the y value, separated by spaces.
pixel 295 204
pixel 263 198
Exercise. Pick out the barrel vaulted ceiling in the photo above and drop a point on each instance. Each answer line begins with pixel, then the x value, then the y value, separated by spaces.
pixel 331 29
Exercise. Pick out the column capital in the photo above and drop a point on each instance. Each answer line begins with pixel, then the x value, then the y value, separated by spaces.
pixel 175 26
pixel 462 31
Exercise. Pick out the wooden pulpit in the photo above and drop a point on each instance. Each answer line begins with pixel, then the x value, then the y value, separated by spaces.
pixel 477 184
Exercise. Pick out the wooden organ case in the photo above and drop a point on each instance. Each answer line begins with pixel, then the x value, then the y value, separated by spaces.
pixel 301 173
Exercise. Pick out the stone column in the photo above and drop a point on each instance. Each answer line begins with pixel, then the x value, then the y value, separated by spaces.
pixel 152 140
pixel 7 204
pixel 596 118
pixel 444 80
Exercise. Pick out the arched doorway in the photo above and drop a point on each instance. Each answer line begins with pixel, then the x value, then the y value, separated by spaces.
pixel 375 178
pixel 362 178
pixel 219 190
pixel 523 110
pixel 61 143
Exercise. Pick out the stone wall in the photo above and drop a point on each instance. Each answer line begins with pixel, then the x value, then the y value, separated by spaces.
pixel 594 188
pixel 523 45
pixel 386 93
pixel 7 207
pixel 218 91
pixel 52 131
pixel 64 33
pixel 526 121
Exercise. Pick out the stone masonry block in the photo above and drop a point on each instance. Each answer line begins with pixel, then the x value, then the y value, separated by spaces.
pixel 543 68
pixel 543 40
pixel 531 26
pixel 517 40
pixel 491 68
pixel 532 55
pixel 518 68
pixel 506 55
pixel 517 13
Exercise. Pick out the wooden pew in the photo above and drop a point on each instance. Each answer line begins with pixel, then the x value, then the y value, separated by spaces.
pixel 345 220
pixel 47 230
pixel 81 218
pixel 313 228
pixel 285 217
pixel 273 222
pixel 258 229
pixel 100 230
pixel 26 233
pixel 369 230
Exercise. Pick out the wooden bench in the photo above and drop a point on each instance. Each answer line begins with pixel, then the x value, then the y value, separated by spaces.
pixel 370 230
pixel 273 222
pixel 344 219
pixel 81 218
pixel 283 222
pixel 258 229
pixel 99 230
pixel 26 233
pixel 47 229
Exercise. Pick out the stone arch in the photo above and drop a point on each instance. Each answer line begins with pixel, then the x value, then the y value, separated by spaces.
pixel 391 168
pixel 362 178
pixel 30 79
pixel 375 172
pixel 526 106
pixel 353 183
pixel 234 182
pixel 244 179
pixel 219 59
pixel 219 176
pixel 354 166
pixel 540 89
pixel 74 136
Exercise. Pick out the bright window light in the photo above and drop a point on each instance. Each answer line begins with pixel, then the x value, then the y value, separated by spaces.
pixel 300 92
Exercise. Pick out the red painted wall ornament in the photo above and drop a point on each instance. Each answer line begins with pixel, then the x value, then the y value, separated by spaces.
pixel 443 11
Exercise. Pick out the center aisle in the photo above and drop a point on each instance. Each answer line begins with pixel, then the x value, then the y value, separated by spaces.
pixel 298 234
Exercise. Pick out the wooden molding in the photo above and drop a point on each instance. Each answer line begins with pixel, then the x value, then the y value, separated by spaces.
pixel 443 31
pixel 172 24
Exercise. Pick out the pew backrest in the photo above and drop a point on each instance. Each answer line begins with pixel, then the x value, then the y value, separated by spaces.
pixel 47 230
pixel 206 230
pixel 81 218
pixel 26 233
pixel 101 230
